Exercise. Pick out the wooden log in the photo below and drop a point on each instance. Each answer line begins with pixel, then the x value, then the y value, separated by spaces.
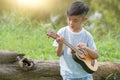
pixel 8 56
pixel 107 71
pixel 43 70
pixel 49 70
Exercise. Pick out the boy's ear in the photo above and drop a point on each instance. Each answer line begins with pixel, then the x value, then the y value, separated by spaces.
pixel 85 19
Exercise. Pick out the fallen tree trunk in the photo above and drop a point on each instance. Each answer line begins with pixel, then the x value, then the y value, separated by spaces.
pixel 49 70
pixel 107 71
pixel 43 70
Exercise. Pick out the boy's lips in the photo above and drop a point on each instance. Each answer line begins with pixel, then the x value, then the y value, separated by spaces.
pixel 72 26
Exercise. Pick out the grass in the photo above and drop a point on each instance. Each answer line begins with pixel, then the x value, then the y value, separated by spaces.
pixel 22 35
pixel 31 41
pixel 108 50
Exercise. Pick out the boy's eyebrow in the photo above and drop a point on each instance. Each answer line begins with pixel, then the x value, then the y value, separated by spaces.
pixel 75 19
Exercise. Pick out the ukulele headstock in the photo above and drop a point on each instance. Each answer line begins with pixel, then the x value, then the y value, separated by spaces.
pixel 52 34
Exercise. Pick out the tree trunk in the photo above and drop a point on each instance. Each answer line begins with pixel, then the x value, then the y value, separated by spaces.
pixel 107 71
pixel 48 70
pixel 43 70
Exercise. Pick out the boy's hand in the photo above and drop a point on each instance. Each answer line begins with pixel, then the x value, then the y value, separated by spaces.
pixel 60 40
pixel 82 46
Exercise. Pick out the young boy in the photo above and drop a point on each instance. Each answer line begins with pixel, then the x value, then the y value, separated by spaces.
pixel 79 38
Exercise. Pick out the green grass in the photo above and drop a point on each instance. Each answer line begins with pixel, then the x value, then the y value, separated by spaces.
pixel 108 50
pixel 22 35
pixel 31 41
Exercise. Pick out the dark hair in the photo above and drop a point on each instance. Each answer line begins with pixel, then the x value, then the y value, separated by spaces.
pixel 77 8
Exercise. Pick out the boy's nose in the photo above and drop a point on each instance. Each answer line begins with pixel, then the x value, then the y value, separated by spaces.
pixel 71 23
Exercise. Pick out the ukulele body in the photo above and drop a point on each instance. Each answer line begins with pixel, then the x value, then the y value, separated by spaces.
pixel 88 64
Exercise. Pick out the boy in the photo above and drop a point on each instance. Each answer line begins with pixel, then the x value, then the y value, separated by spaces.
pixel 79 38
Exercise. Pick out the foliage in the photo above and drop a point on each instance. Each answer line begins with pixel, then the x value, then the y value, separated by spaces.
pixel 23 30
pixel 18 34
pixel 21 34
pixel 109 21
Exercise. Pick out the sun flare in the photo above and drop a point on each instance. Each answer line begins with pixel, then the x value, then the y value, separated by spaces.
pixel 28 2
pixel 35 4
pixel 31 2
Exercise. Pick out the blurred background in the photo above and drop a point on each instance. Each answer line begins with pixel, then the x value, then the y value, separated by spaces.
pixel 23 25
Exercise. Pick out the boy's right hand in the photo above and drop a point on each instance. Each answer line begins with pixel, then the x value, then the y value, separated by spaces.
pixel 60 40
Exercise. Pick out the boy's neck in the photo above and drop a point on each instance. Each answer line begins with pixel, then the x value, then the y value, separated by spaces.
pixel 76 29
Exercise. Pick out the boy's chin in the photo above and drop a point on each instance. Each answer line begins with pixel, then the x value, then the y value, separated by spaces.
pixel 72 27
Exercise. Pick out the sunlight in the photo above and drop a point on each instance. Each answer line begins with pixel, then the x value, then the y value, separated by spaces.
pixel 31 3
pixel 27 2
pixel 35 4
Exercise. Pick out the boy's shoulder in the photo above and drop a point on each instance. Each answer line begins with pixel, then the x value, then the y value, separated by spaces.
pixel 62 29
pixel 87 33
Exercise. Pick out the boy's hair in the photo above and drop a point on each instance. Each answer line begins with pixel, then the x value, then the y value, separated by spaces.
pixel 78 8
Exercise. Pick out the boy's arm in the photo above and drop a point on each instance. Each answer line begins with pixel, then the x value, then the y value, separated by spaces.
pixel 59 50
pixel 92 53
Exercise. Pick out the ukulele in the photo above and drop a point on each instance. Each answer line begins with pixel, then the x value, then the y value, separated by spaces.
pixel 80 56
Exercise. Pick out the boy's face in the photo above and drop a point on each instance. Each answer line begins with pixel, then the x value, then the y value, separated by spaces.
pixel 75 22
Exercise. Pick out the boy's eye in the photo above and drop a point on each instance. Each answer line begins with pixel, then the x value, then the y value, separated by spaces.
pixel 75 20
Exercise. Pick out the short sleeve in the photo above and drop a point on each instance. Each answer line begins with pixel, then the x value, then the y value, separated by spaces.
pixel 91 43
pixel 55 44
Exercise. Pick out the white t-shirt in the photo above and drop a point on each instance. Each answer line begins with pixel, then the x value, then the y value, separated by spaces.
pixel 68 67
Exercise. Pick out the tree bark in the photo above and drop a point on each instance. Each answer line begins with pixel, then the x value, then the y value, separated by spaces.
pixel 43 70
pixel 107 71
pixel 49 70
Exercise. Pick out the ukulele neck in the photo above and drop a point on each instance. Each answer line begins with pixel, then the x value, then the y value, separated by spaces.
pixel 71 47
